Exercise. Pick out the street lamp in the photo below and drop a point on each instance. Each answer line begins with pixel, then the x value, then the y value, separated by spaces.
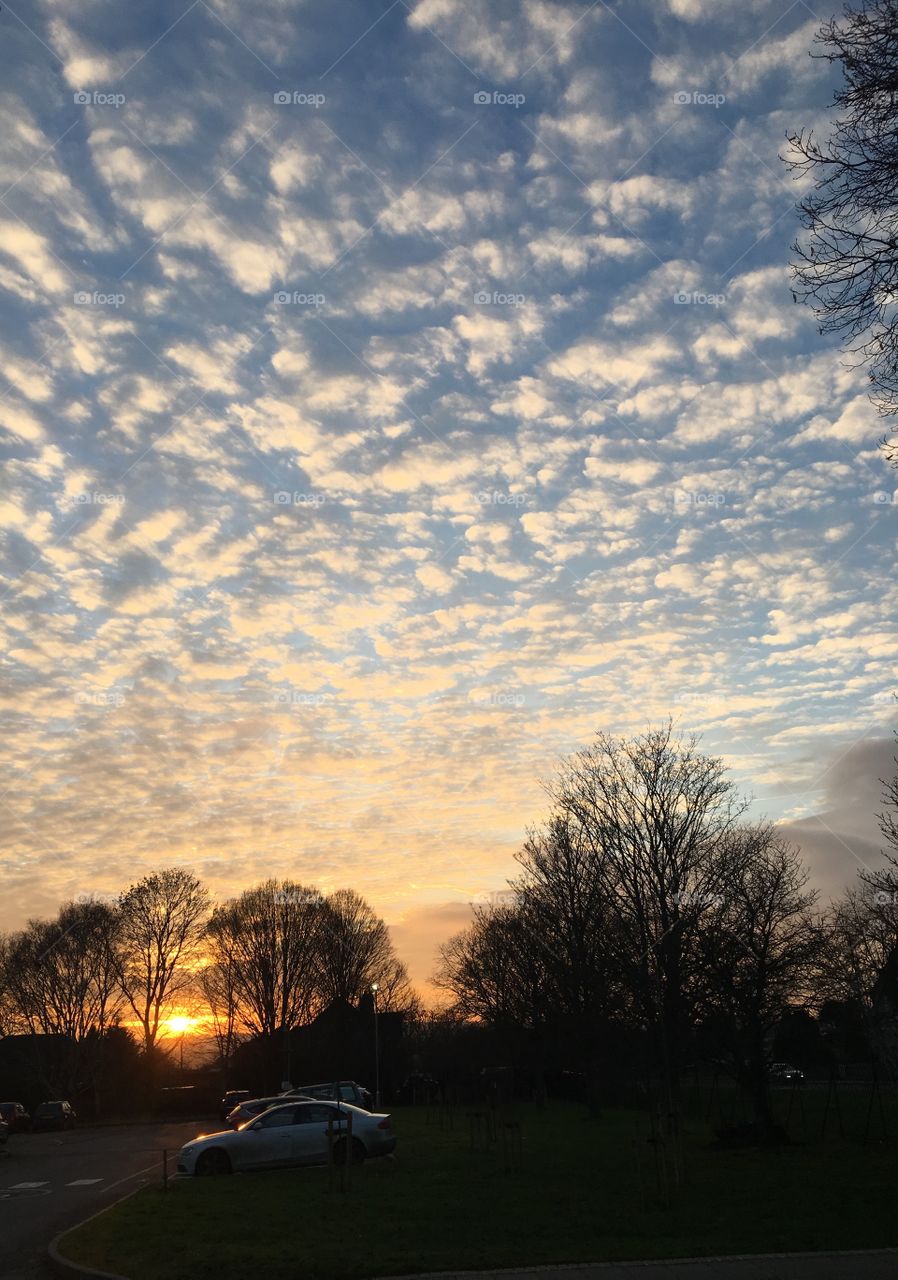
pixel 375 987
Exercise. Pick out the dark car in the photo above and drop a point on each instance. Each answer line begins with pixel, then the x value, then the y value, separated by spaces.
pixel 4 1132
pixel 334 1091
pixel 53 1115
pixel 15 1116
pixel 231 1099
pixel 251 1108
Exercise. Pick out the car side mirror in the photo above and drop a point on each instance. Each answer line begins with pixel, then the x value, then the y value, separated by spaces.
pixel 257 1125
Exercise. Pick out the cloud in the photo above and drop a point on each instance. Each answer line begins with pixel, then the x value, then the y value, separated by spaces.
pixel 538 444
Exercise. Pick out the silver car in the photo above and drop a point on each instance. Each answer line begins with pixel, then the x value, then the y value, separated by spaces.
pixel 293 1134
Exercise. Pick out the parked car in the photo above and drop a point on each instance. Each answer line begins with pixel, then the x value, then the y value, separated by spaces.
pixel 231 1100
pixel 15 1116
pixel 783 1073
pixel 4 1132
pixel 294 1133
pixel 251 1108
pixel 53 1115
pixel 334 1091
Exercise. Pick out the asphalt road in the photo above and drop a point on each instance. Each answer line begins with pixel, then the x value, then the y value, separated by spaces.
pixel 51 1181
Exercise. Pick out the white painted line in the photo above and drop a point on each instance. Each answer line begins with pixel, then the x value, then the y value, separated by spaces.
pixel 26 1186
pixel 155 1165
pixel 83 1182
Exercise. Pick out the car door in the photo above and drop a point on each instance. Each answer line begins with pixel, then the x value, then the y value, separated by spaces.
pixel 310 1131
pixel 267 1143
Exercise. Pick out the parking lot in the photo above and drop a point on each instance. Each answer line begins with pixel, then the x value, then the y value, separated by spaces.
pixel 50 1181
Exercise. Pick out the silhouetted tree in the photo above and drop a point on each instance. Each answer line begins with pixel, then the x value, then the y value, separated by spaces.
pixel 357 950
pixel 271 936
pixel 758 943
pixel 60 977
pixel 655 812
pixel 494 971
pixel 218 987
pixel 161 922
pixel 847 264
pixel 861 932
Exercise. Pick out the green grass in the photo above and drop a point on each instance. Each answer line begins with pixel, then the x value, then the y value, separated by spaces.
pixel 586 1190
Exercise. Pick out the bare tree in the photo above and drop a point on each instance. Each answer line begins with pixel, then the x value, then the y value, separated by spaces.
pixel 61 981
pixel 881 935
pixel 847 264
pixel 654 812
pixel 162 920
pixel 861 932
pixel 758 946
pixel 493 970
pixel 218 986
pixel 271 936
pixel 357 950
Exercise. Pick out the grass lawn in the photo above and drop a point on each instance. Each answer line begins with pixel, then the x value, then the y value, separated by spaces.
pixel 585 1190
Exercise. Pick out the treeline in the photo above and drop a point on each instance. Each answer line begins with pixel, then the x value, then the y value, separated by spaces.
pixel 258 966
pixel 653 925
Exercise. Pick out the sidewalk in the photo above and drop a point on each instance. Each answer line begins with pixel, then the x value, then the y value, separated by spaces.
pixel 872 1264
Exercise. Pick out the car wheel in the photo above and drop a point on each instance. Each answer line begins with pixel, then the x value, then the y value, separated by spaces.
pixel 212 1163
pixel 358 1151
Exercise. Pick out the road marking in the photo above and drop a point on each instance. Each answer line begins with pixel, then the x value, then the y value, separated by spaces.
pixel 26 1186
pixel 154 1165
pixel 83 1182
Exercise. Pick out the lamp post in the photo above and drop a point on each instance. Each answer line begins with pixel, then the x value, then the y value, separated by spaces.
pixel 375 987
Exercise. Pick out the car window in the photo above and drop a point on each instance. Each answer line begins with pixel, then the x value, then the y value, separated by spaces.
pixel 277 1118
pixel 317 1114
pixel 347 1093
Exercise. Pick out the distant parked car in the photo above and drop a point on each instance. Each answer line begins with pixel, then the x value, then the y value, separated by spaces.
pixel 53 1115
pixel 15 1116
pixel 252 1107
pixel 783 1073
pixel 294 1133
pixel 334 1091
pixel 231 1099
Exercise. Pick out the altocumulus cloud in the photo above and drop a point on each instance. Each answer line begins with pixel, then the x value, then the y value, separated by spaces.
pixel 389 403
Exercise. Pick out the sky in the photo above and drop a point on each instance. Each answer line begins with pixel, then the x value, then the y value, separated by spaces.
pixel 392 396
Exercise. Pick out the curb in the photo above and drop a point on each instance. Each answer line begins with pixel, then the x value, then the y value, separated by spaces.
pixel 63 1266
pixel 635 1263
